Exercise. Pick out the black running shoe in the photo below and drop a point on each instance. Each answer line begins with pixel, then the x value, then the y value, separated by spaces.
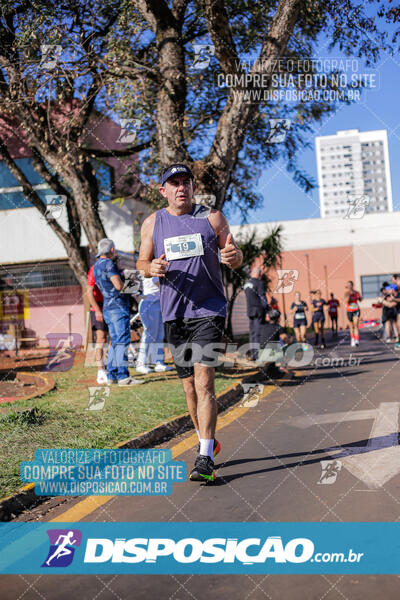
pixel 217 447
pixel 203 469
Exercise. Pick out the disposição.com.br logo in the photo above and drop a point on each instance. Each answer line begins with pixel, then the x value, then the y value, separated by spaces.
pixel 62 547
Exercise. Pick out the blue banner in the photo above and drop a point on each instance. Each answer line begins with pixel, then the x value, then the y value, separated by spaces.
pixel 121 472
pixel 200 548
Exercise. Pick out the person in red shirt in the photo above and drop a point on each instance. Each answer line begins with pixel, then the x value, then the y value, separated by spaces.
pixel 333 305
pixel 352 298
pixel 99 326
pixel 274 304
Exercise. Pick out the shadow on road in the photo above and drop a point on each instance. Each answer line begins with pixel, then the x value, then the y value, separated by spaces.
pixel 315 375
pixel 331 453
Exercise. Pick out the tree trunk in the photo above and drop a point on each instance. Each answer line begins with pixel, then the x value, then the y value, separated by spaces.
pixel 214 172
pixel 171 97
pixel 77 256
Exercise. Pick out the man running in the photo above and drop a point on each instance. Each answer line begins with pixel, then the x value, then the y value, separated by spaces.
pixel 180 244
pixel 333 304
pixel 318 318
pixel 352 298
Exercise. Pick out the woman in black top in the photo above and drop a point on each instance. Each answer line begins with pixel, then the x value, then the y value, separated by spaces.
pixel 318 317
pixel 298 310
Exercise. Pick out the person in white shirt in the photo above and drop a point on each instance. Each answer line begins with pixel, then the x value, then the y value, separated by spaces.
pixel 151 343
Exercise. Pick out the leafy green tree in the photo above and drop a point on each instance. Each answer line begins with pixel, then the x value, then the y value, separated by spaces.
pixel 137 60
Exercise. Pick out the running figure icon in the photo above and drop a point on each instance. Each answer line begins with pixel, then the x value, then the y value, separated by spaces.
pixel 62 549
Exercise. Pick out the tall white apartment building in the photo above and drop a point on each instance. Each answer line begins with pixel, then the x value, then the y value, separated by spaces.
pixel 353 170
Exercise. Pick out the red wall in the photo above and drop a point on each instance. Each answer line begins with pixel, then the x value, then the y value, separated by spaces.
pixel 339 269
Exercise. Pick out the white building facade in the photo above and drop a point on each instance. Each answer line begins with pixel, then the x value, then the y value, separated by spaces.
pixel 353 172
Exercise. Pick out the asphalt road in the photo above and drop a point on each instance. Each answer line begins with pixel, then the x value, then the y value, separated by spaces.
pixel 270 469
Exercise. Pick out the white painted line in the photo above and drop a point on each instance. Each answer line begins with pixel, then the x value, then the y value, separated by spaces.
pixel 378 461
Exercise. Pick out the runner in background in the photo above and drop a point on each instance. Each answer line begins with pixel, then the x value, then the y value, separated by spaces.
pixel 298 311
pixel 318 318
pixel 333 304
pixel 396 280
pixel 99 326
pixel 389 312
pixel 352 298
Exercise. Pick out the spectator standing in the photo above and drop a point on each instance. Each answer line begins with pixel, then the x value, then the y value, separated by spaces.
pixel 116 312
pixel 99 326
pixel 257 306
pixel 151 342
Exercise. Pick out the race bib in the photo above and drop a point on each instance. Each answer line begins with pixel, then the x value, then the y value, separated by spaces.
pixel 299 316
pixel 353 306
pixel 183 246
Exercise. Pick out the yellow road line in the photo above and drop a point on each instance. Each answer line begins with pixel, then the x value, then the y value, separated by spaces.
pixel 90 504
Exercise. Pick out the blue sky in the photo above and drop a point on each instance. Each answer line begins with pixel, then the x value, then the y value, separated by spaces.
pixel 377 109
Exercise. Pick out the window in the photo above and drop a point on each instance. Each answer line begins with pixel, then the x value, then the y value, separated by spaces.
pixel 371 284
pixel 12 196
pixel 47 284
pixel 37 275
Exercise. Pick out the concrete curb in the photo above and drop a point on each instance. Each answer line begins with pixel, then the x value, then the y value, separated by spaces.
pixel 25 498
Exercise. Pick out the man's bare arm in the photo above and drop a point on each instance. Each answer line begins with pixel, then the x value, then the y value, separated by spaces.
pixel 146 263
pixel 93 303
pixel 117 282
pixel 231 254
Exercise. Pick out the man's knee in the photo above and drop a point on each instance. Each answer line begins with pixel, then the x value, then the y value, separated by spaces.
pixel 189 388
pixel 100 336
pixel 204 379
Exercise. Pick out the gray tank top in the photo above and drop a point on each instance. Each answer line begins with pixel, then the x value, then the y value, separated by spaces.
pixel 192 286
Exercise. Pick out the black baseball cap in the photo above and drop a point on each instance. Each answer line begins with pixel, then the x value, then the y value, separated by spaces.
pixel 177 169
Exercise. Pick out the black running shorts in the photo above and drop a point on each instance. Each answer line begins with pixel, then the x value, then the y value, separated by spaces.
pixel 299 322
pixel 318 317
pixel 352 314
pixel 102 325
pixel 194 341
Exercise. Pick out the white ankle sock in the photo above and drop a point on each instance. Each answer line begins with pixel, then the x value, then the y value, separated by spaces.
pixel 198 433
pixel 207 448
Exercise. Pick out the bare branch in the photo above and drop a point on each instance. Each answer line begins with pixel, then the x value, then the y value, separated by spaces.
pixel 178 9
pixel 54 182
pixel 134 72
pixel 94 152
pixel 29 193
pixel 237 114
pixel 221 35
pixel 156 13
